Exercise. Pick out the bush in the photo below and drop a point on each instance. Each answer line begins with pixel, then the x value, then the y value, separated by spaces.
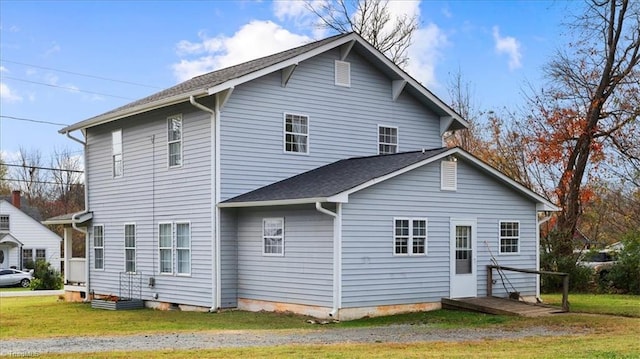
pixel 580 278
pixel 45 277
pixel 624 276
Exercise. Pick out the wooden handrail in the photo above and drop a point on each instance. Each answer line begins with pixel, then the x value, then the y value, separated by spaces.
pixel 565 281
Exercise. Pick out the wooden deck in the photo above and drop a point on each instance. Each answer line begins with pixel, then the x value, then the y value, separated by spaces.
pixel 501 306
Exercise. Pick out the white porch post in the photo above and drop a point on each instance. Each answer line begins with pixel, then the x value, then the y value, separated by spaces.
pixel 68 251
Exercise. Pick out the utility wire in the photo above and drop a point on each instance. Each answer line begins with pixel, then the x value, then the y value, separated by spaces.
pixel 80 74
pixel 65 88
pixel 43 168
pixel 40 182
pixel 32 120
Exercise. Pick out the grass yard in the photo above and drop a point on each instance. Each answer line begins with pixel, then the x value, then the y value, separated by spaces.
pixel 13 289
pixel 614 304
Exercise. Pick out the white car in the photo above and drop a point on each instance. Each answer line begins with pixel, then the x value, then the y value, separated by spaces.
pixel 11 277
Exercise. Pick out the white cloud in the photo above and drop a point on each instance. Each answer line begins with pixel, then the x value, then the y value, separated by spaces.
pixel 54 48
pixel 3 69
pixel 6 94
pixel 510 46
pixel 253 40
pixel 424 53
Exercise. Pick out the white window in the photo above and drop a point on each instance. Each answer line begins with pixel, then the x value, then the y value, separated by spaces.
pixel 509 237
pixel 4 223
pixel 174 140
pixel 98 247
pixel 296 133
pixel 116 153
pixel 387 140
pixel 175 248
pixel 449 175
pixel 273 236
pixel 410 236
pixel 130 248
pixel 165 242
pixel 343 73
pixel 41 255
pixel 27 258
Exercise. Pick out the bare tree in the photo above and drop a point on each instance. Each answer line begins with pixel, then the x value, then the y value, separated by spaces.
pixel 32 180
pixel 372 20
pixel 67 178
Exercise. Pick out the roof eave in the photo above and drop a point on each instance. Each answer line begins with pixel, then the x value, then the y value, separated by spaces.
pixel 277 202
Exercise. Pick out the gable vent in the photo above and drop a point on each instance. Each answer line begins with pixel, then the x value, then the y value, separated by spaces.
pixel 448 178
pixel 343 73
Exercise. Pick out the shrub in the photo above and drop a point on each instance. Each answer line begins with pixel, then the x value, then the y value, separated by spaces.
pixel 45 277
pixel 624 276
pixel 553 258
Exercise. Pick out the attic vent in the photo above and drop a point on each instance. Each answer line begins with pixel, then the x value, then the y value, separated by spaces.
pixel 343 73
pixel 448 178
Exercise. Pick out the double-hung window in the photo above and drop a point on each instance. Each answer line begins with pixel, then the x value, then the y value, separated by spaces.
pixel 296 133
pixel 387 140
pixel 174 140
pixel 410 236
pixel 273 236
pixel 41 255
pixel 116 153
pixel 175 248
pixel 98 247
pixel 4 223
pixel 509 237
pixel 130 248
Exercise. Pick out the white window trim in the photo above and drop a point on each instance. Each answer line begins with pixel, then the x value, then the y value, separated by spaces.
pixel 96 247
pixel 8 229
pixel 135 248
pixel 381 143
pixel 263 237
pixel 175 230
pixel 284 134
pixel 410 239
pixel 443 186
pixel 335 73
pixel 160 272
pixel 113 155
pixel 181 141
pixel 500 252
pixel 35 254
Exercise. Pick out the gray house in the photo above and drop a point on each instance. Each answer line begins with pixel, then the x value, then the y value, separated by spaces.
pixel 313 181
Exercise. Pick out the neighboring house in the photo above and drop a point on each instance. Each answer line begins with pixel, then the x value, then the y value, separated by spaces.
pixel 297 182
pixel 23 239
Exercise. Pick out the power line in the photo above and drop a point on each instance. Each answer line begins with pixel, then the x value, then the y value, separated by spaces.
pixel 32 120
pixel 65 88
pixel 80 74
pixel 40 182
pixel 43 168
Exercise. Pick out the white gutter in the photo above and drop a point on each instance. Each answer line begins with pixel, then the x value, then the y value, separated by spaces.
pixel 215 220
pixel 337 256
pixel 84 211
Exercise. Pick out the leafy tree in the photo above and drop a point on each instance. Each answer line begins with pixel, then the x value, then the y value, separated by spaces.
pixel 370 19
pixel 624 276
pixel 45 277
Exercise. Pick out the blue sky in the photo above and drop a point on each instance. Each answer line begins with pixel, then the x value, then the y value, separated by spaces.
pixel 46 47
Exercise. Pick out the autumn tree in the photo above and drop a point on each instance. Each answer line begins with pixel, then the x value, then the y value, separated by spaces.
pixel 5 188
pixel 372 20
pixel 588 112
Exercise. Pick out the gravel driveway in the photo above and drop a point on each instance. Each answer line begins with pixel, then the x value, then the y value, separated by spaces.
pixel 257 338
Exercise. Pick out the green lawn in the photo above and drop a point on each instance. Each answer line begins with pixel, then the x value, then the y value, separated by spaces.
pixel 614 304
pixel 13 289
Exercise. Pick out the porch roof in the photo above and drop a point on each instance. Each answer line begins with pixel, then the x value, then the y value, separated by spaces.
pixel 68 219
pixel 9 238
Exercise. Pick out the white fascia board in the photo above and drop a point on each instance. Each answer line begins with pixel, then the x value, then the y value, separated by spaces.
pixel 279 202
pixel 9 238
pixel 135 110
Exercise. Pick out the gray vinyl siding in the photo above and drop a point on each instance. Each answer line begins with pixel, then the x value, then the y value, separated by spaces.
pixel 229 258
pixel 149 193
pixel 372 275
pixel 304 275
pixel 343 122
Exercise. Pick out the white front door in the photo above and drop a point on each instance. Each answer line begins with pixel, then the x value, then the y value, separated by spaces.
pixel 464 281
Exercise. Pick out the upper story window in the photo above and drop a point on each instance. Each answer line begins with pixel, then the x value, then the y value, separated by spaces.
pixel 387 140
pixel 4 223
pixel 273 236
pixel 509 237
pixel 98 247
pixel 449 175
pixel 410 236
pixel 116 152
pixel 343 73
pixel 296 133
pixel 174 140
pixel 130 248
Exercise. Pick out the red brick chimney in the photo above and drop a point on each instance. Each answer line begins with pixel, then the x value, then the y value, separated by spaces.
pixel 15 198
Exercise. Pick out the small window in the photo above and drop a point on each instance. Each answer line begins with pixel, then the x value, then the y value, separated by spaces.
pixel 174 137
pixel 509 237
pixel 4 223
pixel 273 236
pixel 116 152
pixel 27 258
pixel 183 247
pixel 41 255
pixel 296 133
pixel 165 243
pixel 449 180
pixel 98 247
pixel 343 73
pixel 130 248
pixel 410 236
pixel 387 140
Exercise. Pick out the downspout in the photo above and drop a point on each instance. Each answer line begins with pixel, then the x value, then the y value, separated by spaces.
pixel 84 211
pixel 215 243
pixel 539 223
pixel 337 255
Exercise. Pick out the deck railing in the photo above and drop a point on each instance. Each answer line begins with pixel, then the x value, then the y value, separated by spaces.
pixel 565 281
pixel 76 273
